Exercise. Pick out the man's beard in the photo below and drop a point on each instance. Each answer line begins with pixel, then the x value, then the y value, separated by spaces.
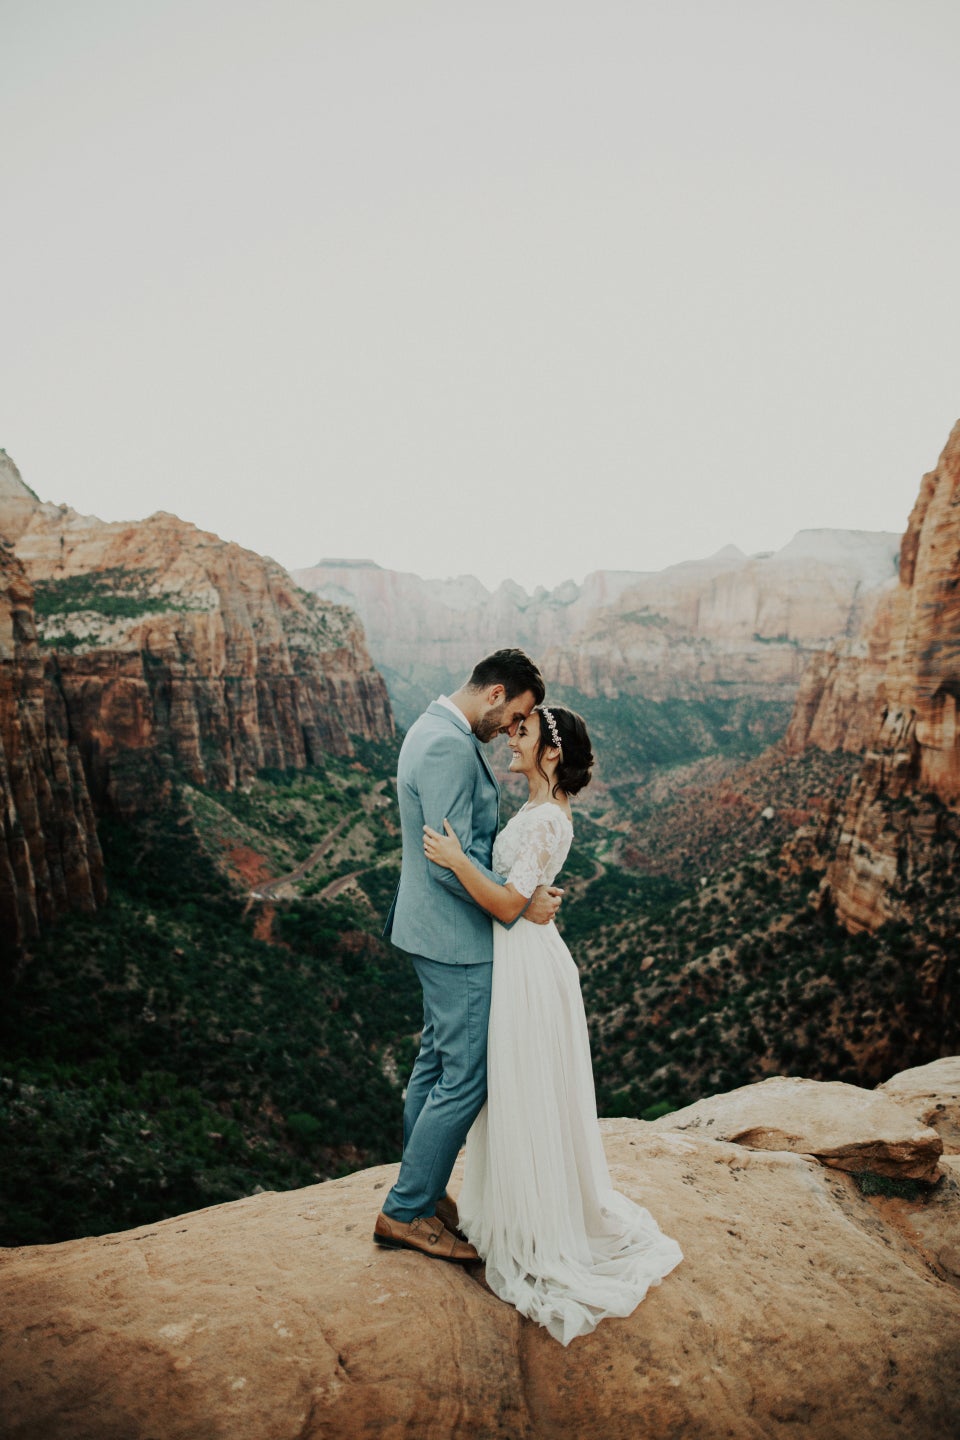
pixel 490 724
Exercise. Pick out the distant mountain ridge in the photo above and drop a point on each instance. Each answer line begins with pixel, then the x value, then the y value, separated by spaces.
pixel 730 624
pixel 693 629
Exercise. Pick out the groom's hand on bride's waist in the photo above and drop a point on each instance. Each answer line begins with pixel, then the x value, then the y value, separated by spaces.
pixel 544 904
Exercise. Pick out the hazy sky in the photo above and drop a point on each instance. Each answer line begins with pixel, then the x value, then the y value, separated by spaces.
pixel 511 289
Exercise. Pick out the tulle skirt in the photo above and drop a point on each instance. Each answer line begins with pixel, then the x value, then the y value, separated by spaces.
pixel 558 1241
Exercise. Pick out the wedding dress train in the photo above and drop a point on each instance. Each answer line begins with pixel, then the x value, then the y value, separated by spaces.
pixel 558 1241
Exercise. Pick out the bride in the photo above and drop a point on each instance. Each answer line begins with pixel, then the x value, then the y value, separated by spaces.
pixel 558 1241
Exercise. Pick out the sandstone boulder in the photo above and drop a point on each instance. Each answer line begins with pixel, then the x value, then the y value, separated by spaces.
pixel 932 1095
pixel 802 1307
pixel 841 1125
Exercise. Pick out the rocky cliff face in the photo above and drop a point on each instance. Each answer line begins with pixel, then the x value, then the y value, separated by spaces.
pixel 50 858
pixel 806 1302
pixel 176 651
pixel 732 625
pixel 131 653
pixel 836 703
pixel 898 700
pixel 426 635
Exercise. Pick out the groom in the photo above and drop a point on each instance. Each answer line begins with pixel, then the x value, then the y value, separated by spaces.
pixel 443 774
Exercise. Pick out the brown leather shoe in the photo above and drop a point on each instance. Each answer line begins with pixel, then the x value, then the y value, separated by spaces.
pixel 449 1215
pixel 426 1234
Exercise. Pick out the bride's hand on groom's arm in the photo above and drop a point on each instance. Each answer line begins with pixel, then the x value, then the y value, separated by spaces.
pixel 544 904
pixel 503 902
pixel 443 850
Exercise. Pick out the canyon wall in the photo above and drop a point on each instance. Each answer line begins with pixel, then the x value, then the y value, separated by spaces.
pixel 450 624
pixel 50 858
pixel 426 635
pixel 837 700
pixel 896 698
pixel 161 651
pixel 732 624
pixel 729 625
pixel 176 651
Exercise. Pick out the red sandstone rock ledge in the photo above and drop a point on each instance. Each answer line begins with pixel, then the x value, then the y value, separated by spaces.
pixel 802 1306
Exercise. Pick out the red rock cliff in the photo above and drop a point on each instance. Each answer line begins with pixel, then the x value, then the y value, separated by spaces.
pixel 49 854
pixel 924 673
pixel 176 651
pixel 900 703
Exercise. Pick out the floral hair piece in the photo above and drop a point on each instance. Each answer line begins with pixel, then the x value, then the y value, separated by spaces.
pixel 551 725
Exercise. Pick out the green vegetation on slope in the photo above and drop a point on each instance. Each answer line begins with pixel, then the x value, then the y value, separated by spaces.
pixel 96 598
pixel 751 977
pixel 159 1056
pixel 734 969
pixel 633 734
pixel 118 593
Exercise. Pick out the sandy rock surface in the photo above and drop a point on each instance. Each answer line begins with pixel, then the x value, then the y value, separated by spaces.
pixel 932 1094
pixel 802 1307
pixel 842 1125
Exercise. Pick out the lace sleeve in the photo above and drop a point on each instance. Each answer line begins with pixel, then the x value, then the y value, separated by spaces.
pixel 543 848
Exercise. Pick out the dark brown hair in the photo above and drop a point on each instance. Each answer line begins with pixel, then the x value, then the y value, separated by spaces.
pixel 576 756
pixel 512 669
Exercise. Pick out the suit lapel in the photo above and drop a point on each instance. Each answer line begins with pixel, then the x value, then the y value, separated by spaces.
pixel 435 708
pixel 486 765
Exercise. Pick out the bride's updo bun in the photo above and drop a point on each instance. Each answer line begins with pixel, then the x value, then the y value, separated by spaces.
pixel 576 756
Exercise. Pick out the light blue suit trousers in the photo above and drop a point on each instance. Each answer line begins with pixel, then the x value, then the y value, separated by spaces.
pixel 443 774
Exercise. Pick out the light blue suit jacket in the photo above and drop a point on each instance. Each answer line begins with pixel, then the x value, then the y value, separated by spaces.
pixel 443 774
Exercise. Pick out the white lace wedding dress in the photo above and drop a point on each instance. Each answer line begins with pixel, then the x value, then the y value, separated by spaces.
pixel 559 1242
